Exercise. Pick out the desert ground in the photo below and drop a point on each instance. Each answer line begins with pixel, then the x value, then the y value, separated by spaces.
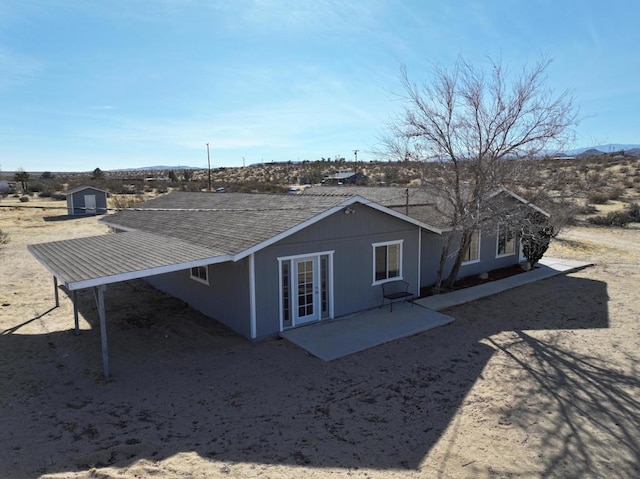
pixel 541 381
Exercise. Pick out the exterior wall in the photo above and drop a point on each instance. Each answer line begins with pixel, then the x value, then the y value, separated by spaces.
pixel 432 248
pixel 76 205
pixel 351 237
pixel 226 298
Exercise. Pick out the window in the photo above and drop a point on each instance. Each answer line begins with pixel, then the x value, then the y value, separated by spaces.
pixel 387 261
pixel 200 273
pixel 506 241
pixel 473 252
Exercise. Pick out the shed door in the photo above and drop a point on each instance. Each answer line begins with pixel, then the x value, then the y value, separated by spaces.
pixel 90 204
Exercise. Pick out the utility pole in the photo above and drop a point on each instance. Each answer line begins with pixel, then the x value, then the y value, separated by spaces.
pixel 209 166
pixel 355 167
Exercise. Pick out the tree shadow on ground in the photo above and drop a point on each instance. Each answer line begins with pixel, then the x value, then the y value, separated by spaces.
pixel 184 383
pixel 580 391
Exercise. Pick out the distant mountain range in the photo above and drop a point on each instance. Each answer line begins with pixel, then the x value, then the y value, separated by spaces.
pixel 629 149
pixel 610 148
pixel 157 168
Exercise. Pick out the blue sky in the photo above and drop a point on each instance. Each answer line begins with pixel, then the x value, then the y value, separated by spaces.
pixel 125 83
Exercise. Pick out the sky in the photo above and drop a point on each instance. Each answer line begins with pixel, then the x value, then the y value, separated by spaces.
pixel 116 84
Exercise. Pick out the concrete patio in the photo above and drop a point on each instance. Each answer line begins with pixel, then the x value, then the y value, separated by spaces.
pixel 545 268
pixel 341 337
pixel 334 339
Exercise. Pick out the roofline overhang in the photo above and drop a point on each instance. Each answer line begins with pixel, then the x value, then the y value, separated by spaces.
pixel 116 278
pixel 502 189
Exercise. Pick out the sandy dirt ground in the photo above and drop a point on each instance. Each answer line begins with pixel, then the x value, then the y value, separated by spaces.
pixel 541 381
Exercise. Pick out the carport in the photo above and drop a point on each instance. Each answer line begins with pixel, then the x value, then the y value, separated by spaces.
pixel 96 261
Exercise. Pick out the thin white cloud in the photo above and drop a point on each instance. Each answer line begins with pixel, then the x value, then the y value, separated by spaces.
pixel 16 68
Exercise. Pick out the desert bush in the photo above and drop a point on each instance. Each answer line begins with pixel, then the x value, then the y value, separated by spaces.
pixel 598 198
pixel 586 210
pixel 24 199
pixel 616 193
pixel 633 210
pixel 614 218
pixel 4 237
pixel 125 201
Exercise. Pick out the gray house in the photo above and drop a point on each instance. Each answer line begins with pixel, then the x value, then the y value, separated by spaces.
pixel 263 263
pixel 86 200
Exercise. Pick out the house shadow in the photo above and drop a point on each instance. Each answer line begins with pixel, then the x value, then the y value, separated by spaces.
pixel 184 383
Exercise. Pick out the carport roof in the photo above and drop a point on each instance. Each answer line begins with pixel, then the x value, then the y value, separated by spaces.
pixel 97 260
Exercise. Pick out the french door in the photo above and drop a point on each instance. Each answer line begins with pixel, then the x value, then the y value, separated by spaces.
pixel 306 288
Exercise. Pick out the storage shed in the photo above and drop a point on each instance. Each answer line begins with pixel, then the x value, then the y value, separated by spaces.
pixel 86 200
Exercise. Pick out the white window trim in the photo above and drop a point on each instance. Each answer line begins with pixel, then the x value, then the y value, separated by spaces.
pixel 197 278
pixel 504 255
pixel 373 253
pixel 474 261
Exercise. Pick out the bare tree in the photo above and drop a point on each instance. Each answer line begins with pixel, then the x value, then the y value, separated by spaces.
pixel 478 131
pixel 23 178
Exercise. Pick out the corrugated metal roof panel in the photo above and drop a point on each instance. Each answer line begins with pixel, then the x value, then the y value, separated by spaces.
pixel 84 262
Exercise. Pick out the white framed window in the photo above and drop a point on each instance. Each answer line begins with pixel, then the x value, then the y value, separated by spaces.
pixel 200 274
pixel 472 255
pixel 506 242
pixel 387 261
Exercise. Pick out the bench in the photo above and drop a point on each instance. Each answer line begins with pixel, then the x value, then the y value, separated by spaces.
pixel 395 291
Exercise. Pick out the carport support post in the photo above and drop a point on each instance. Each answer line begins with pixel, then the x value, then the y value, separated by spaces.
pixel 55 291
pixel 74 298
pixel 103 329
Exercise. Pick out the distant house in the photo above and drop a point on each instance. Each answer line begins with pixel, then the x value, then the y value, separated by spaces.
pixel 345 177
pixel 86 200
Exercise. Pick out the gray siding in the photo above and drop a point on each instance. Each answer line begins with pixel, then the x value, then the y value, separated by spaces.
pixel 76 201
pixel 351 237
pixel 432 248
pixel 225 299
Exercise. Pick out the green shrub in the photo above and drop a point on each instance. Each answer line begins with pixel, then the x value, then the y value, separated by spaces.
pixel 24 199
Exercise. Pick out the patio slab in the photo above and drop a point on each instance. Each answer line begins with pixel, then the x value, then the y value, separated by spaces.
pixel 546 268
pixel 337 338
pixel 329 340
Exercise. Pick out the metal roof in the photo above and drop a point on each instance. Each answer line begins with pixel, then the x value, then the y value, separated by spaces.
pixel 96 260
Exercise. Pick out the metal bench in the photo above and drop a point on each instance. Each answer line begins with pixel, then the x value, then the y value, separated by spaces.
pixel 395 291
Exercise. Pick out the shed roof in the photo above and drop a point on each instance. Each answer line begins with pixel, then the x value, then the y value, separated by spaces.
pixel 80 188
